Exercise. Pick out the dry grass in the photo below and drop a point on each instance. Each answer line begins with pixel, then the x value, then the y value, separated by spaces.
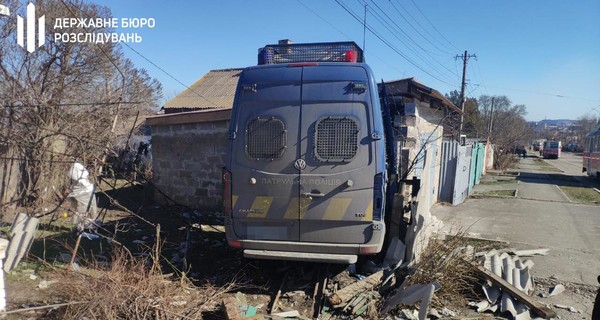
pixel 584 195
pixel 505 161
pixel 446 263
pixel 494 194
pixel 128 289
pixel 545 166
pixel 498 182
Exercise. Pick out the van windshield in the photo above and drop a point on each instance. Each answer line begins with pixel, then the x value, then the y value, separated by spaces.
pixel 553 145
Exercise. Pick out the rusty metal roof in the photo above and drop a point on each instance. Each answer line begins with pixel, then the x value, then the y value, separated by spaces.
pixel 412 88
pixel 215 90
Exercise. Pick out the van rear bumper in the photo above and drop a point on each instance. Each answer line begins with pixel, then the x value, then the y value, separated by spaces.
pixel 308 251
pixel 300 256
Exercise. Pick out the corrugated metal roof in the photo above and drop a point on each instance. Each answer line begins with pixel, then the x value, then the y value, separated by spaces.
pixel 410 87
pixel 215 90
pixel 515 272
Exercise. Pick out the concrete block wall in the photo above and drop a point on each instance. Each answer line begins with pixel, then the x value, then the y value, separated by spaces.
pixel 187 159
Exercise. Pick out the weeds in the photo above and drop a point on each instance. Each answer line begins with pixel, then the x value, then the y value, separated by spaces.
pixel 129 289
pixel 497 182
pixel 446 263
pixel 495 194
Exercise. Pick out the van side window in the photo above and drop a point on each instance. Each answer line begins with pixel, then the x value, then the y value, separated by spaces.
pixel 336 139
pixel 265 138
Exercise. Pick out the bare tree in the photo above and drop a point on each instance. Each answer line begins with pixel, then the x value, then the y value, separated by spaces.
pixel 585 125
pixel 472 120
pixel 59 103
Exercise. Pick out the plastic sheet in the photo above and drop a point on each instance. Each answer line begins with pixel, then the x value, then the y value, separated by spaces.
pixel 83 197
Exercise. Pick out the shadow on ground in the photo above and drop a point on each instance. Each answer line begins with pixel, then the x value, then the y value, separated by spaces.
pixel 558 179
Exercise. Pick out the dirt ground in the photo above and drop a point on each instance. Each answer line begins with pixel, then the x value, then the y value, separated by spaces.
pixel 195 242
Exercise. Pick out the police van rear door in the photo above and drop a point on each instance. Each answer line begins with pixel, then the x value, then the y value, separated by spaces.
pixel 337 151
pixel 265 184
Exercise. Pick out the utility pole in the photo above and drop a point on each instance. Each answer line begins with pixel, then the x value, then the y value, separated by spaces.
pixel 365 30
pixel 491 119
pixel 463 85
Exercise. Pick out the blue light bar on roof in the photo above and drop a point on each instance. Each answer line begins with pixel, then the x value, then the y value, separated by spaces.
pixel 310 52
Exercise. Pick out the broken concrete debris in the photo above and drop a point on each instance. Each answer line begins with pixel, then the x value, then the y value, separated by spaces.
pixel 511 287
pixel 411 295
pixel 571 309
pixel 288 314
pixel 557 289
pixel 529 253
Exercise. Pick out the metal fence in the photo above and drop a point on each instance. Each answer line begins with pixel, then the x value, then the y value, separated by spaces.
pixel 460 170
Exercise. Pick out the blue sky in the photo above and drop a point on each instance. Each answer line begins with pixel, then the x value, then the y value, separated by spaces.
pixel 544 54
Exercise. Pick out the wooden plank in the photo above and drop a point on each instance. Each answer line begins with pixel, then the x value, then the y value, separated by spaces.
pixel 275 300
pixel 232 309
pixel 537 307
pixel 356 288
pixel 22 233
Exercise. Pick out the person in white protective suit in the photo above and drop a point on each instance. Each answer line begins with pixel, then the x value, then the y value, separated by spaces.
pixel 82 197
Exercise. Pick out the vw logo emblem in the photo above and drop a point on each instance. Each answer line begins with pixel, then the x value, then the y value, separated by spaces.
pixel 300 164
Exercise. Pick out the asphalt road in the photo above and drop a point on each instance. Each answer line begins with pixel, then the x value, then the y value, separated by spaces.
pixel 541 216
pixel 570 163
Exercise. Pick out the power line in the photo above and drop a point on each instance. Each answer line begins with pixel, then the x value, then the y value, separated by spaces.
pixel 432 25
pixel 410 40
pixel 98 45
pixel 413 27
pixel 171 76
pixel 547 94
pixel 324 20
pixel 446 47
pixel 144 57
pixel 481 77
pixel 390 45
pixel 347 36
pixel 76 104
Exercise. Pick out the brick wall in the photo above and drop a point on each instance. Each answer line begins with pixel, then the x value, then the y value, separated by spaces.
pixel 188 153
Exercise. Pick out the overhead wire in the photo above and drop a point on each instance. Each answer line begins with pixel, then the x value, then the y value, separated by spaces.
pixel 145 58
pixel 547 94
pixel 408 42
pixel 413 27
pixel 347 36
pixel 405 42
pixel 171 76
pixel 480 75
pixel 98 45
pixel 446 49
pixel 432 25
pixel 389 45
pixel 99 103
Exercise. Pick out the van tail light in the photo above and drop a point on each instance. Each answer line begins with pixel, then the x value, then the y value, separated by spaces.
pixel 378 196
pixel 368 250
pixel 302 64
pixel 234 243
pixel 226 193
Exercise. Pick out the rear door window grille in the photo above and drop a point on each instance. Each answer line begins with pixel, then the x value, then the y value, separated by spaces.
pixel 336 139
pixel 265 138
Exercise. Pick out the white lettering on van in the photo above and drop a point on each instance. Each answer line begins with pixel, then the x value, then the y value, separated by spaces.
pixel 304 181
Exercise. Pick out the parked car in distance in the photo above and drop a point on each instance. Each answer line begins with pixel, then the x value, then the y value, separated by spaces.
pixel 520 150
pixel 551 149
